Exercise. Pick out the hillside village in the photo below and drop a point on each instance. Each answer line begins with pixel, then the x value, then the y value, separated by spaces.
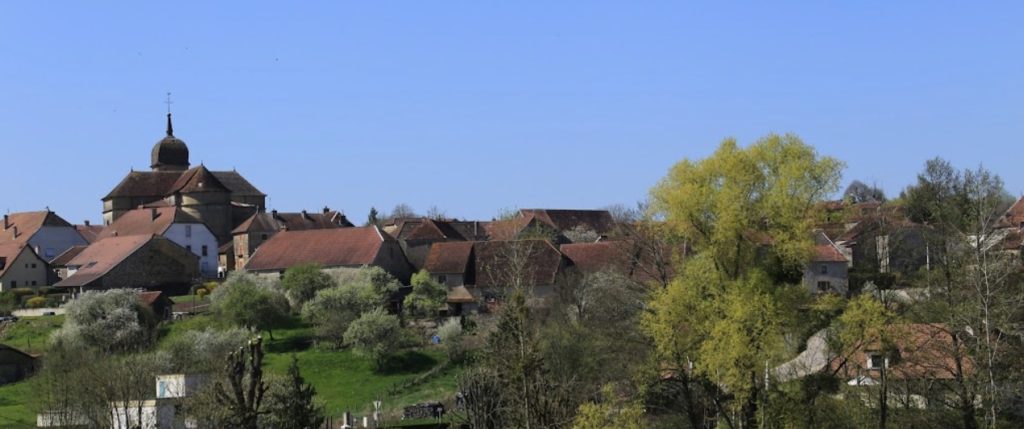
pixel 187 240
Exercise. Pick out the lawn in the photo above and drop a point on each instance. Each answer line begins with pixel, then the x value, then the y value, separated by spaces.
pixel 344 380
pixel 13 412
pixel 31 334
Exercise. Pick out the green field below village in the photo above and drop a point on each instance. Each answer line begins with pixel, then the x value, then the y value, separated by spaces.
pixel 344 380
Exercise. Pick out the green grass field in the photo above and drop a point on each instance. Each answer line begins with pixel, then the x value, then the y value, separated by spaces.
pixel 344 380
pixel 31 334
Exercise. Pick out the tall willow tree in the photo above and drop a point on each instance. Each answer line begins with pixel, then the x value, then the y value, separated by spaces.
pixel 746 212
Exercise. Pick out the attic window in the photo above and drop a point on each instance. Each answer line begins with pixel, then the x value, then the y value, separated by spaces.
pixel 824 269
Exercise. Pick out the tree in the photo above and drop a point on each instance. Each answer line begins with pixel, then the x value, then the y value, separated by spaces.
pixel 611 413
pixel 302 282
pixel 375 334
pixel 745 212
pixel 866 321
pixel 373 218
pixel 241 391
pixel 251 302
pixel 451 338
pixel 403 210
pixel 730 204
pixel 333 309
pixel 110 321
pixel 292 405
pixel 858 192
pixel 203 351
pixel 427 296
pixel 436 213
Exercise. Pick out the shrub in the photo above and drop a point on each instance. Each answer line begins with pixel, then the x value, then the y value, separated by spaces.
pixel 23 291
pixel 110 321
pixel 375 334
pixel 303 281
pixel 451 338
pixel 36 302
pixel 427 297
pixel 251 302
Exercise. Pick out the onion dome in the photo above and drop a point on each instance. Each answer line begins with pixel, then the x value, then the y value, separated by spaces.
pixel 170 153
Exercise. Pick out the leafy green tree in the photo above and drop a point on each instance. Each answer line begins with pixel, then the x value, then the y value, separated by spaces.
pixel 292 404
pixel 375 334
pixel 333 309
pixel 109 321
pixel 248 301
pixel 427 296
pixel 739 199
pixel 745 212
pixel 302 282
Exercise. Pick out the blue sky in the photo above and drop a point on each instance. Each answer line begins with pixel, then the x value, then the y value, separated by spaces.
pixel 477 106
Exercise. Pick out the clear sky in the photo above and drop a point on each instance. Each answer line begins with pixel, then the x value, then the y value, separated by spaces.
pixel 477 106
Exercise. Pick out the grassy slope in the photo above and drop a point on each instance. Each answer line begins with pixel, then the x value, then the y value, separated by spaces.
pixel 344 380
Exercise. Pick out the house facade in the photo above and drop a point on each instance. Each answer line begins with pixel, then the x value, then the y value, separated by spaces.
pixel 149 262
pixel 177 225
pixel 48 234
pixel 21 267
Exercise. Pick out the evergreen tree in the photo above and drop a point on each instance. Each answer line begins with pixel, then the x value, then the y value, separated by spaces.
pixel 293 404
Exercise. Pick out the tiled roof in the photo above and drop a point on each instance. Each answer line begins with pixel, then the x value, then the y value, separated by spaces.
pixel 151 221
pixel 10 251
pixel 926 351
pixel 301 221
pixel 596 257
pixel 339 247
pixel 498 261
pixel 157 184
pixel 102 256
pixel 197 179
pixel 153 184
pixel 89 232
pixel 449 257
pixel 63 259
pixel 150 297
pixel 599 221
pixel 1014 216
pixel 238 185
pixel 827 253
pixel 28 223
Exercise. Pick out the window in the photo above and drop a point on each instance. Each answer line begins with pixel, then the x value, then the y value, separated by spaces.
pixel 33 265
pixel 441 278
pixel 263 236
pixel 14 284
pixel 823 269
pixel 824 286
pixel 33 283
pixel 188 247
pixel 876 360
pixel 205 251
pixel 188 230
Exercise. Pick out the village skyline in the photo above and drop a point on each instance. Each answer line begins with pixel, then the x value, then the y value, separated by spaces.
pixel 358 105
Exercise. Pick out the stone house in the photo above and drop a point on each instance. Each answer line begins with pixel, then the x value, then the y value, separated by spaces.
pixel 451 263
pixel 175 224
pixel 261 226
pixel 827 272
pixel 21 267
pixel 331 248
pixel 48 234
pixel 149 262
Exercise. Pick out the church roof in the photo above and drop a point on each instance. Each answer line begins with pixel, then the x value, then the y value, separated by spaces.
pixel 198 179
pixel 237 184
pixel 170 153
pixel 157 184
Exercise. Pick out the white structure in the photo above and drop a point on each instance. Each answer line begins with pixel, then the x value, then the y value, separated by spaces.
pixel 162 412
pixel 174 224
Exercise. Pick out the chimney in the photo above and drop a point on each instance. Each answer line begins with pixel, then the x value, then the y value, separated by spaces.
pixel 327 209
pixel 15 232
pixel 87 222
pixel 273 213
pixel 304 214
pixel 7 222
pixel 154 212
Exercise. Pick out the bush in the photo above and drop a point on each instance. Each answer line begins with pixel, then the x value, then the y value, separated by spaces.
pixel 110 321
pixel 375 334
pixel 303 281
pixel 206 350
pixel 36 302
pixel 23 291
pixel 251 302
pixel 427 298
pixel 451 338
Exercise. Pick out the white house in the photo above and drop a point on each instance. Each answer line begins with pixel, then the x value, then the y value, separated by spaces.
pixel 45 232
pixel 174 224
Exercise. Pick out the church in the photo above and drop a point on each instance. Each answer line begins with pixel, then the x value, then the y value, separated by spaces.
pixel 220 199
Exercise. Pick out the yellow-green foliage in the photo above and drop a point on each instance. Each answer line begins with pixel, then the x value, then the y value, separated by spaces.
pixel 604 415
pixel 735 200
pixel 36 302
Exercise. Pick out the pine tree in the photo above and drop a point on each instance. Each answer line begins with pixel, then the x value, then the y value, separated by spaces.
pixel 294 406
pixel 373 218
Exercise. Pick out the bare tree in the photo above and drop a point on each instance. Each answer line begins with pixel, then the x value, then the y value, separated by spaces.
pixel 858 192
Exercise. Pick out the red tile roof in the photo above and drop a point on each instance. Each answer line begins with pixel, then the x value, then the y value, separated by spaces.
pixel 1014 216
pixel 147 222
pixel 495 262
pixel 277 221
pixel 460 295
pixel 599 221
pixel 340 247
pixel 449 257
pixel 596 257
pixel 102 256
pixel 28 223
pixel 197 179
pixel 926 352
pixel 63 259
pixel 89 232
pixel 827 253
